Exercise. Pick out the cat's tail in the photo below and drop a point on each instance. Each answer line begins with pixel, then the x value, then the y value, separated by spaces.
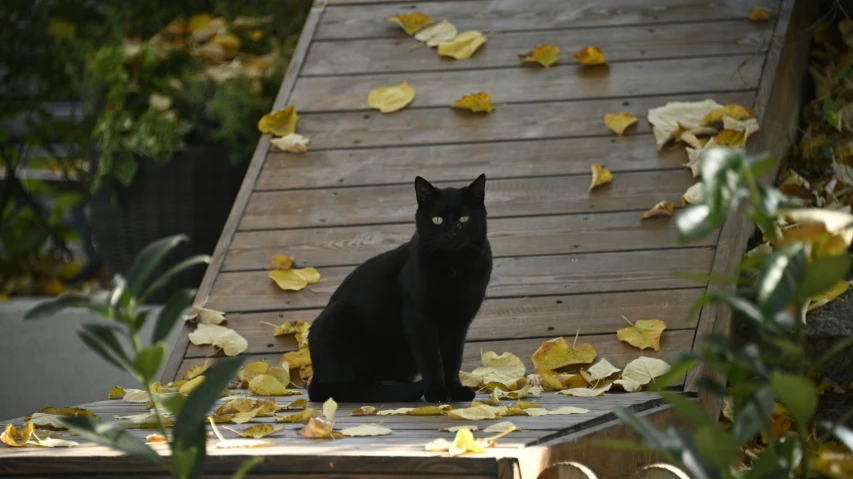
pixel 386 391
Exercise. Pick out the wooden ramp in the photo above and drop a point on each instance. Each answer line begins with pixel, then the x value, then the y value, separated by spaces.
pixel 567 260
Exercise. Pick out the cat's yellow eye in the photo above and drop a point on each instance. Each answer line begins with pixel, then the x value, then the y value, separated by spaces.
pixel 464 219
pixel 437 219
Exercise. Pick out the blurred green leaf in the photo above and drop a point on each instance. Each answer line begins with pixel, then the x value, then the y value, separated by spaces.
pixel 52 306
pixel 111 435
pixel 171 313
pixel 175 270
pixel 797 394
pixel 102 340
pixel 822 274
pixel 689 408
pixel 781 277
pixel 148 260
pixel 148 361
pixel 695 222
pixel 716 445
pixel 201 399
pixel 755 414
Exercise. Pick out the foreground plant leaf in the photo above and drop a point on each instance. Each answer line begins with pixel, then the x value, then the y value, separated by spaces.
pixel 545 55
pixel 294 279
pixel 505 369
pixel 619 122
pixel 48 418
pixel 365 411
pixel 15 437
pixel 463 45
pixel 476 413
pixel 434 35
pixel 475 102
pixel 644 369
pixel 280 122
pixel 663 208
pixel 644 333
pixel 363 430
pixel 293 143
pixel 759 15
pixel 600 176
pixel 557 353
pixel 601 370
pixel 221 337
pixel 257 431
pixel 590 56
pixel 695 194
pixel 412 22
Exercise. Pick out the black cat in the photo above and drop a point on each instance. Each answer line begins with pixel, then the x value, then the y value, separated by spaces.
pixel 407 311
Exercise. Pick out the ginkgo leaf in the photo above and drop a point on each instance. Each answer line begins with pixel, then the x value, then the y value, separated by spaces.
pixel 730 138
pixel 268 385
pixel 281 261
pixel 412 22
pixel 675 115
pixel 619 122
pixel 590 56
pixel 663 208
pixel 644 369
pixel 832 294
pixel 600 176
pixel 695 194
pixel 545 55
pixel 565 410
pixel 301 417
pixel 196 371
pixel 463 45
pixel 318 428
pixel 366 430
pixel 759 15
pixel 475 413
pixel 476 102
pixel 15 437
pixel 209 316
pixel 389 99
pixel 501 427
pixel 293 143
pixel 297 359
pixel 440 444
pixel 365 411
pixel 457 428
pixel 257 431
pixel 557 353
pixel 601 388
pixel 505 369
pixel 189 386
pixel 228 340
pixel 601 370
pixel 294 279
pixel 644 333
pixel 280 122
pixel 434 35
pixel 628 385
pixel 732 110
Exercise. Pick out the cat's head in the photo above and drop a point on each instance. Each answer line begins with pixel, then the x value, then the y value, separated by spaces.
pixel 451 219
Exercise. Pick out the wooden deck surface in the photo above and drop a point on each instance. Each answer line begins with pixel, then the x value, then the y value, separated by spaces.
pixel 567 260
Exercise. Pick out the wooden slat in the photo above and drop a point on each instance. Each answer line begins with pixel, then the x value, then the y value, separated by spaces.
pixel 515 197
pixel 733 37
pixel 535 122
pixel 529 236
pixel 363 21
pixel 522 84
pixel 535 275
pixel 505 318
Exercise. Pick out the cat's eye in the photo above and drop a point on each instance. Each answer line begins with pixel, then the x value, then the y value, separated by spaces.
pixel 463 219
pixel 437 219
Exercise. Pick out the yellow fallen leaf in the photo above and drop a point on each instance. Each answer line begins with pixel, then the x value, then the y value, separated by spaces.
pixel 268 385
pixel 429 410
pixel 14 437
pixel 388 99
pixel 117 392
pixel 363 430
pixel 780 423
pixel 294 279
pixel 598 390
pixel 251 370
pixel 463 45
pixel 628 385
pixel 236 443
pixel 566 410
pixel 300 417
pixel 329 409
pixel 470 380
pixel 501 427
pixel 281 261
pixel 644 369
pixel 439 445
pixel 53 442
pixel 662 208
pixel 464 442
pixel 293 143
pixel 695 194
pixel 476 102
pixel 318 428
pixel 748 126
pixel 829 232
pixel 189 386
pixel 732 110
pixel 731 138
pixel 458 428
pixel 257 431
pixel 475 413
pixel 280 122
pixel 600 176
pixel 197 371
pixel 412 22
pixel 297 404
pixel 198 21
pixel 644 333
pixel 545 55
pixel 601 370
pixel 297 359
pixel 527 391
pixel 832 294
pixel 557 353
pixel 298 328
pixel 671 120
pixel 306 371
pixel 503 369
pixel 208 316
pixel 834 465
pixel 394 412
pixel 759 15
pixel 135 396
pixel 48 418
pixel 590 56
pixel 532 412
pixel 365 411
pixel 228 340
pixel 246 416
pixel 434 35
pixel 233 406
pixel 619 122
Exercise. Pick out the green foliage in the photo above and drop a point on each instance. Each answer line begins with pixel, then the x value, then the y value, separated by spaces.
pixel 121 307
pixel 772 297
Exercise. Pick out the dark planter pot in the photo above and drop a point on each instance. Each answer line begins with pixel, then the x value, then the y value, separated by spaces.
pixel 191 195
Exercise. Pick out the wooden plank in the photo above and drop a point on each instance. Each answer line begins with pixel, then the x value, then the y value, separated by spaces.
pixel 363 21
pixel 732 37
pixel 511 277
pixel 506 318
pixel 607 346
pixel 510 197
pixel 528 236
pixel 509 123
pixel 558 83
pixel 248 184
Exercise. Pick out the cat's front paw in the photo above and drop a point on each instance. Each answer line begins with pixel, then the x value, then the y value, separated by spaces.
pixel 462 393
pixel 437 395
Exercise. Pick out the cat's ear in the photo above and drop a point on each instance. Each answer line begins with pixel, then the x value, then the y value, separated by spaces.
pixel 477 189
pixel 424 191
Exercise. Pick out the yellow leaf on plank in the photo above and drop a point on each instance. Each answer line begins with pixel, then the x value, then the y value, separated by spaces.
pixel 15 437
pixel 293 143
pixel 503 369
pixel 395 412
pixel 300 417
pixel 470 380
pixel 463 45
pixel 48 418
pixel 208 316
pixel 458 428
pixel 298 404
pixel 236 443
pixel 257 431
pixel 189 386
pixel 601 370
pixel 695 194
pixel 246 416
pixel 294 279
pixel 389 99
pixel 135 396
pixel 600 176
pixel 501 427
pixel 619 122
pixel 251 370
pixel 268 385
pixel 196 371
pixel 329 409
pixel 363 430
pixel 117 392
pixel 365 411
pixel 598 390
pixel 833 464
pixel 434 35
pixel 731 138
pixel 476 102
pixel 565 410
pixel 590 56
pixel 759 15
pixel 233 406
pixel 557 353
pixel 832 294
pixel 830 232
pixel 527 391
pixel 297 359
pixel 532 412
pixel 53 442
pixel 545 55
pixel 429 410
pixel 628 385
pixel 644 369
pixel 464 442
pixel 318 428
pixel 732 110
pixel 480 412
pixel 280 122
pixel 228 340
pixel 662 208
pixel 412 22
pixel 281 261
pixel 644 333
pixel 748 126
pixel 674 118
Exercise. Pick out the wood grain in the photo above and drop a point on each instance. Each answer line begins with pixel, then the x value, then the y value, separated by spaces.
pixel 642 42
pixel 368 21
pixel 558 83
pixel 506 318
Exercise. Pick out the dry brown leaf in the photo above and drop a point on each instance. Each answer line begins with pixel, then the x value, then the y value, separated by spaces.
pixel 434 35
pixel 663 208
pixel 228 340
pixel 475 102
pixel 619 122
pixel 463 45
pixel 15 437
pixel 257 431
pixel 644 369
pixel 293 143
pixel 365 411
pixel 600 176
pixel 590 56
pixel 732 110
pixel 557 353
pixel 363 430
pixel 759 15
pixel 319 428
pixel 280 122
pixel 412 22
pixel 644 333
pixel 730 138
pixel 196 371
pixel 545 55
